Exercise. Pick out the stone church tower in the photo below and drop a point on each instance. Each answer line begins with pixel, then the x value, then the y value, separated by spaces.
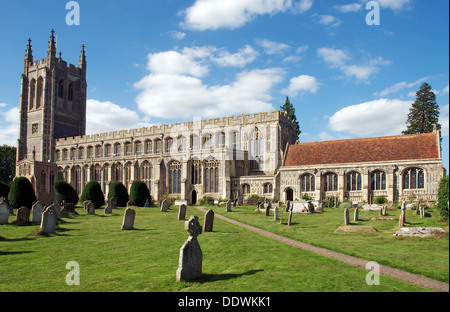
pixel 52 106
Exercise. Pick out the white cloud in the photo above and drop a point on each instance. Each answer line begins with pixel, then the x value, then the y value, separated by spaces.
pixel 445 90
pixel 327 20
pixel 177 34
pixel 216 14
pixel 444 120
pixel 394 4
pixel 334 57
pixel 352 7
pixel 9 126
pixel 106 116
pixel 240 59
pixel 360 72
pixel 272 47
pixel 399 86
pixel 378 117
pixel 303 83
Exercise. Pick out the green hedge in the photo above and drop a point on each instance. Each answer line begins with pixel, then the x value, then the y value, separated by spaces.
pixel 4 189
pixel 443 198
pixel 119 191
pixel 21 193
pixel 93 192
pixel 139 194
pixel 65 191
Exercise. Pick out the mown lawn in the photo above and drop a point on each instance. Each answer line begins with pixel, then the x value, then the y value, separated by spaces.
pixel 146 259
pixel 424 256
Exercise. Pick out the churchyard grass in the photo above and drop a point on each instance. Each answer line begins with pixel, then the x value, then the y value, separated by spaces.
pixel 424 256
pixel 146 259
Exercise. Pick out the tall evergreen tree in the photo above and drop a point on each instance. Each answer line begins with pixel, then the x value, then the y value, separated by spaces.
pixel 288 107
pixel 424 113
pixel 7 163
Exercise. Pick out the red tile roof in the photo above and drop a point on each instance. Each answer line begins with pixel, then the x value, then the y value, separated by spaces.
pixel 391 148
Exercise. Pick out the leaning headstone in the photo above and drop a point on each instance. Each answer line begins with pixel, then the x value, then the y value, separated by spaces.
pixel 108 208
pixel 346 216
pixel 191 256
pixel 290 217
pixel 128 219
pixel 23 216
pixel 275 213
pixel 401 220
pixel 49 221
pixel 208 222
pixel 164 205
pixel 4 212
pixel 268 206
pixel 36 212
pixel 182 212
pixel 91 209
pixel 356 215
pixel 288 205
pixel 229 206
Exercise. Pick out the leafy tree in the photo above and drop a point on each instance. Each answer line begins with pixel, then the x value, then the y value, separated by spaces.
pixel 119 191
pixel 424 113
pixel 443 197
pixel 7 163
pixel 65 191
pixel 93 192
pixel 288 107
pixel 21 193
pixel 4 189
pixel 139 194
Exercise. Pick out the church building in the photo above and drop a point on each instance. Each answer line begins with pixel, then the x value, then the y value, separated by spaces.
pixel 228 157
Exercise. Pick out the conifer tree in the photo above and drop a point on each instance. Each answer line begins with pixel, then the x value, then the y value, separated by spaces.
pixel 288 107
pixel 424 113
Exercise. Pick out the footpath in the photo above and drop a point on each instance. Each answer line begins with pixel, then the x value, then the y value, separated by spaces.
pixel 401 275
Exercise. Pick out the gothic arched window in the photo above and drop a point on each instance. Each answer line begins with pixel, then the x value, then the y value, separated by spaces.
pixel 413 178
pixel 330 182
pixel 175 177
pixel 354 181
pixel 308 183
pixel 378 180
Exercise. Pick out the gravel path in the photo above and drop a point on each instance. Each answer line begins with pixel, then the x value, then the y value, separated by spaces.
pixel 384 270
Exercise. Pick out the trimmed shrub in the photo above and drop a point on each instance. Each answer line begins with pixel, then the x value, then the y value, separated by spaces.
pixel 443 198
pixel 139 194
pixel 380 200
pixel 93 192
pixel 206 201
pixel 21 193
pixel 65 191
pixel 4 189
pixel 119 191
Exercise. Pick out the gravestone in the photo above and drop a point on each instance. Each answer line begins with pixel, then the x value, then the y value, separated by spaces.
pixel 86 204
pixel 356 215
pixel 216 203
pixel 403 205
pixel 275 213
pixel 147 203
pixel 229 206
pixel 164 205
pixel 128 204
pixel 23 216
pixel 36 212
pixel 108 208
pixel 191 256
pixel 56 210
pixel 346 216
pixel 64 213
pixel 288 205
pixel 113 203
pixel 290 217
pixel 182 212
pixel 128 219
pixel 268 206
pixel 49 221
pixel 4 212
pixel 69 207
pixel 208 222
pixel 91 209
pixel 401 219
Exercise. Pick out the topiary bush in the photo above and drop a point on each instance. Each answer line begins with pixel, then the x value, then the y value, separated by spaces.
pixel 65 191
pixel 93 192
pixel 4 189
pixel 119 191
pixel 21 193
pixel 443 198
pixel 139 194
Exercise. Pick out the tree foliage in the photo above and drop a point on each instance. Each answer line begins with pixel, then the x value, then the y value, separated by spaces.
pixel 424 113
pixel 118 191
pixel 7 163
pixel 64 191
pixel 93 192
pixel 443 197
pixel 139 194
pixel 288 107
pixel 21 193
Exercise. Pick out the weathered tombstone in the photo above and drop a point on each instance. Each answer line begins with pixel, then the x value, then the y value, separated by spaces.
pixel 56 210
pixel 356 215
pixel 182 212
pixel 403 213
pixel 275 213
pixel 4 212
pixel 36 212
pixel 164 205
pixel 128 219
pixel 91 209
pixel 69 207
pixel 113 203
pixel 128 204
pixel 346 216
pixel 288 205
pixel 216 203
pixel 401 221
pixel 49 221
pixel 208 222
pixel 64 213
pixel 229 206
pixel 108 208
pixel 191 256
pixel 418 206
pixel 290 217
pixel 86 204
pixel 281 217
pixel 268 206
pixel 23 216
pixel 403 205
pixel 147 203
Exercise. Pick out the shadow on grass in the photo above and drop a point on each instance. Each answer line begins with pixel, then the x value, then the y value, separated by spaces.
pixel 7 253
pixel 208 278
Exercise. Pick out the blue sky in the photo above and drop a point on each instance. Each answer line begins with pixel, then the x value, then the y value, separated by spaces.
pixel 164 61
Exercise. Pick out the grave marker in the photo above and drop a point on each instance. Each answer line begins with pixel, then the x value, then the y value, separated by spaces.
pixel 191 256
pixel 128 219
